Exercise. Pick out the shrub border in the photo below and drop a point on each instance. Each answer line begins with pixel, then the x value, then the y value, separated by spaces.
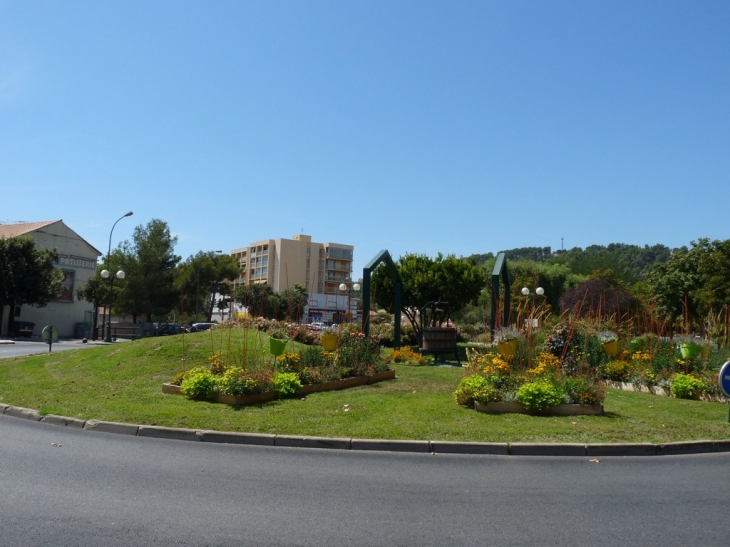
pixel 258 398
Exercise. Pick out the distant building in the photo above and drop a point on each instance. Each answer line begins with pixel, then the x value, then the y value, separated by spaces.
pixel 319 267
pixel 76 258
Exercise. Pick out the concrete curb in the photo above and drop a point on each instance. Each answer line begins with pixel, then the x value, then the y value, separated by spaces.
pixel 627 449
pixel 386 445
pixel 112 427
pixel 458 447
pixel 547 449
pixel 175 433
pixel 20 412
pixel 257 439
pixel 63 420
pixel 312 442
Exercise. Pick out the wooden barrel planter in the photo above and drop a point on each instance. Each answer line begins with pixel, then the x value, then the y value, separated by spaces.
pixel 439 339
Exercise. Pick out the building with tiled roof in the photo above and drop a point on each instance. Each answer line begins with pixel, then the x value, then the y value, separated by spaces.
pixel 76 258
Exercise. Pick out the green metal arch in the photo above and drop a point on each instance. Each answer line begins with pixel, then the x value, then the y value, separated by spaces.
pixel 382 256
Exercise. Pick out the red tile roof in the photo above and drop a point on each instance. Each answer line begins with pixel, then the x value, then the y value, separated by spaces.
pixel 22 228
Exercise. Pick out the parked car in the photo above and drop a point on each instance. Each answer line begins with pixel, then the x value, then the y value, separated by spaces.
pixel 167 329
pixel 199 327
pixel 316 326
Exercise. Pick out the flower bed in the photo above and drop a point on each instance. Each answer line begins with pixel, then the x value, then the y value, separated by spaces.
pixel 545 385
pixel 265 397
pixel 356 361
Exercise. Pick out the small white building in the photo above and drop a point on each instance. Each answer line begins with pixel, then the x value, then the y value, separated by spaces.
pixel 76 258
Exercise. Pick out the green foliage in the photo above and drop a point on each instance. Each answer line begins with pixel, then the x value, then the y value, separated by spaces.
pixel 419 405
pixel 261 300
pixel 27 275
pixel 358 356
pixel 200 278
pixel 618 371
pixel 149 261
pixel 317 366
pixel 287 384
pixel 593 351
pixel 199 385
pixel 470 388
pixel 685 386
pixel 539 395
pixel 457 281
pixel 238 381
pixel 582 391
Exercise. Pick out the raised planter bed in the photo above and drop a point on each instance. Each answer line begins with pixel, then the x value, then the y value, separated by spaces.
pixel 665 391
pixel 558 410
pixel 258 398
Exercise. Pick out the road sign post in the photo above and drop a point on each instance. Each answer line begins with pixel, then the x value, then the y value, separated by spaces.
pixel 49 335
pixel 724 380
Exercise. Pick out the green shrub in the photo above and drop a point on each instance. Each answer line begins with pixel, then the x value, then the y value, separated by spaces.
pixel 595 356
pixel 488 394
pixel 685 386
pixel 618 371
pixel 539 395
pixel 287 384
pixel 199 385
pixel 582 391
pixel 469 388
pixel 237 381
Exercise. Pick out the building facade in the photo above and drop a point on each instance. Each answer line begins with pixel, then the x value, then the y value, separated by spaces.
pixel 319 267
pixel 77 259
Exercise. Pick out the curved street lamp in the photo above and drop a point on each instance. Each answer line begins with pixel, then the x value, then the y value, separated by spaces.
pixel 105 275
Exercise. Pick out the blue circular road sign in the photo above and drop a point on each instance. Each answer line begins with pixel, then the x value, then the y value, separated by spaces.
pixel 724 378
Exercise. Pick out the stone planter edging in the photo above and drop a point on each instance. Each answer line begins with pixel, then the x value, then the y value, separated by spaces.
pixel 663 391
pixel 258 398
pixel 558 410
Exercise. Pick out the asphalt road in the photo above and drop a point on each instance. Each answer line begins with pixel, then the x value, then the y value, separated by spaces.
pixel 30 347
pixel 69 487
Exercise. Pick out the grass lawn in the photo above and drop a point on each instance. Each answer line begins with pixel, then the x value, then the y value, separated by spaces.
pixel 123 382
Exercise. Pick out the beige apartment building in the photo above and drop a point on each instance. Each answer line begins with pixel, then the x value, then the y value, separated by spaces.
pixel 319 267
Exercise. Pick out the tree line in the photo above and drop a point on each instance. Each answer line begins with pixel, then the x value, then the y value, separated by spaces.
pixel 654 288
pixel 681 289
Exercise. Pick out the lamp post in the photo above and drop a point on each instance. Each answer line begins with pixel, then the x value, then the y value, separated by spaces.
pixel 105 275
pixel 343 288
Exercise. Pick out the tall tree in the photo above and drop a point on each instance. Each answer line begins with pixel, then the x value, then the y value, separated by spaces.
pixel 293 302
pixel 677 284
pixel 457 281
pixel 203 276
pixel 149 263
pixel 255 298
pixel 27 275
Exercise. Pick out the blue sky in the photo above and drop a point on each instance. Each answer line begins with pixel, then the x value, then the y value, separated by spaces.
pixel 418 127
